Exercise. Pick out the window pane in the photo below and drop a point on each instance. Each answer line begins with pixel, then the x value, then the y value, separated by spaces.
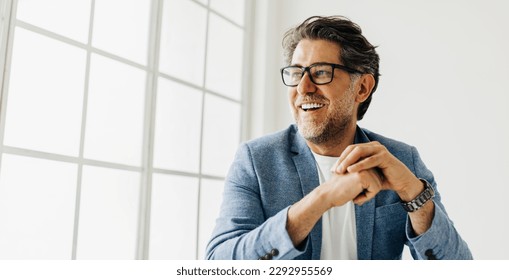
pixel 221 135
pixel 182 52
pixel 37 199
pixel 173 217
pixel 114 112
pixel 233 10
pixel 224 58
pixel 67 18
pixel 108 214
pixel 45 95
pixel 178 123
pixel 121 27
pixel 211 196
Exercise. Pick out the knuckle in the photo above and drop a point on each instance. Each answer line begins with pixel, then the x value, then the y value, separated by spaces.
pixel 358 175
pixel 356 149
pixel 385 152
pixel 362 175
pixel 350 147
pixel 379 145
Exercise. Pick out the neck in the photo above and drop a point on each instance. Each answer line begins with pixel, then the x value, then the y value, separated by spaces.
pixel 335 146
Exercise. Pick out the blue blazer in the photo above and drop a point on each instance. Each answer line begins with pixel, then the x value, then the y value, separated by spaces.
pixel 271 173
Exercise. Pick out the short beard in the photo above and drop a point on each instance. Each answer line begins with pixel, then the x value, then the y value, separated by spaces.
pixel 327 132
pixel 333 129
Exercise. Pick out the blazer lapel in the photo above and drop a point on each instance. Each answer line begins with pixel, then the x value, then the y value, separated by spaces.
pixel 306 169
pixel 364 216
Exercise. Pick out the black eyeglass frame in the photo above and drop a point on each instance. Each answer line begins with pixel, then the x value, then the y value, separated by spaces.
pixel 307 69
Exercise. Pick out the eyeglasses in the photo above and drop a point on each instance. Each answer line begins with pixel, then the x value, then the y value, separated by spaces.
pixel 319 73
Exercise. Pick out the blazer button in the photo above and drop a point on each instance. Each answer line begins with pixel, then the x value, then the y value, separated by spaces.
pixel 274 252
pixel 265 257
pixel 430 255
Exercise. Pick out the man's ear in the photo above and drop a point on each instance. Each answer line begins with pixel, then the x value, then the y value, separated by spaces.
pixel 365 84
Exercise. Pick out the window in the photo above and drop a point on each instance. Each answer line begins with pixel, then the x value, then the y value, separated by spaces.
pixel 119 119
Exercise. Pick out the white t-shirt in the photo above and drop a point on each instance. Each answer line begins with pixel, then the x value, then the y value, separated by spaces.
pixel 339 239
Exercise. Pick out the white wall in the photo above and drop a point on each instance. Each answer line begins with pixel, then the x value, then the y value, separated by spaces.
pixel 443 89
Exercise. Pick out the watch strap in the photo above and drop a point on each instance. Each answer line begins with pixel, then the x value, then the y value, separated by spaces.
pixel 427 194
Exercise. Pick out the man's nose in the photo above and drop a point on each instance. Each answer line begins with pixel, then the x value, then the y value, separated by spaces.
pixel 306 85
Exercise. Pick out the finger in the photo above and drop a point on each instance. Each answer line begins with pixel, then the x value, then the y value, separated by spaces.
pixel 366 163
pixel 337 166
pixel 364 197
pixel 360 199
pixel 356 153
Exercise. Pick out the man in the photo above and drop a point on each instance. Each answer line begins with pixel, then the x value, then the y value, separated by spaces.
pixel 325 188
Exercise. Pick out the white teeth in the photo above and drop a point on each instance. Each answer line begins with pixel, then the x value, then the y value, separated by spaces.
pixel 308 106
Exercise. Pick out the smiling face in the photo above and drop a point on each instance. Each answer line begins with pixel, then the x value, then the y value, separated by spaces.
pixel 325 114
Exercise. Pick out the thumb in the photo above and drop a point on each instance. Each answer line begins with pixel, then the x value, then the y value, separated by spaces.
pixel 363 197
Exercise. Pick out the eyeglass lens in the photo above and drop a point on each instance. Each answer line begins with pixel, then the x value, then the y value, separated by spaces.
pixel 319 74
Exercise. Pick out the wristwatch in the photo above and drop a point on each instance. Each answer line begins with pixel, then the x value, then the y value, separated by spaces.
pixel 427 194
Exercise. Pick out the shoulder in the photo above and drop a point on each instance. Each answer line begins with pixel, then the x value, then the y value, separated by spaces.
pixel 373 136
pixel 386 141
pixel 265 159
pixel 273 150
pixel 276 141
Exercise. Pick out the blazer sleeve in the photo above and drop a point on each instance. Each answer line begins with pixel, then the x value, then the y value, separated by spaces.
pixel 441 240
pixel 242 231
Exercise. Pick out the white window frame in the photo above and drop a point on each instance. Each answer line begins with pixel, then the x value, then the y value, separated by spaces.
pixel 7 11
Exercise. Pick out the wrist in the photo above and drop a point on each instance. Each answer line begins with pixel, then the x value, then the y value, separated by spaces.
pixel 411 191
pixel 322 195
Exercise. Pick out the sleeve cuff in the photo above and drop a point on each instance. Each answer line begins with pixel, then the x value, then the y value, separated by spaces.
pixel 434 240
pixel 280 239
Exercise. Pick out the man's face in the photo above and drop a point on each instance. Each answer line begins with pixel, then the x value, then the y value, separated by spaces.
pixel 332 106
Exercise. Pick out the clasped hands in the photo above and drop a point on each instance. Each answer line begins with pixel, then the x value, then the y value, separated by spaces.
pixel 365 169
